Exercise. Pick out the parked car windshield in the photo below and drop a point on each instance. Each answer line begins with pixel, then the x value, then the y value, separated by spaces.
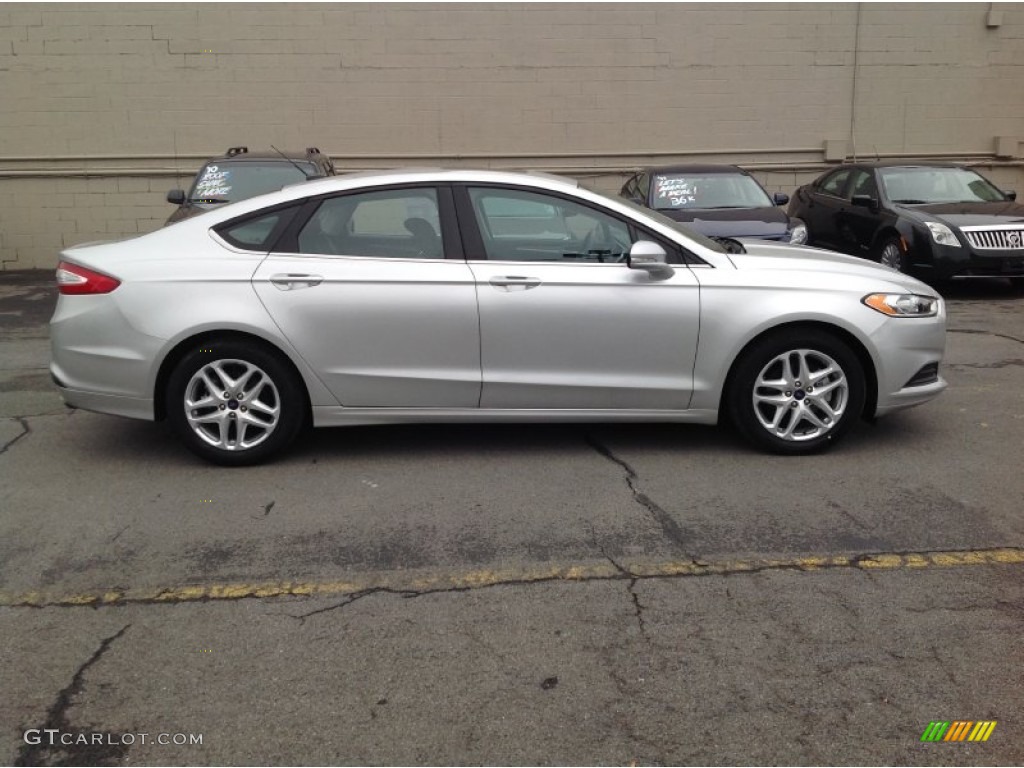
pixel 228 182
pixel 711 190
pixel 918 186
pixel 661 218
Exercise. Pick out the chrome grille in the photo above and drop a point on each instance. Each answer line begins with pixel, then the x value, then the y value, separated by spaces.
pixel 995 239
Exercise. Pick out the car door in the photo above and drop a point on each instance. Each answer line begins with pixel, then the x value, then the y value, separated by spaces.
pixel 823 207
pixel 564 322
pixel 372 290
pixel 860 223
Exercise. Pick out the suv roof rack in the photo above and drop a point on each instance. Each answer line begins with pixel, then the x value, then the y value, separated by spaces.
pixel 232 151
pixel 312 151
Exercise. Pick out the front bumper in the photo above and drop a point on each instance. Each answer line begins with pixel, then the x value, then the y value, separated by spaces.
pixel 910 351
pixel 966 262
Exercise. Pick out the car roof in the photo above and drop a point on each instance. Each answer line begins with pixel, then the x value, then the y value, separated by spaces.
pixel 695 168
pixel 326 185
pixel 414 175
pixel 264 156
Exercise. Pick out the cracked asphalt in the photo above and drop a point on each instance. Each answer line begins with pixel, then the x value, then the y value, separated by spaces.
pixel 578 594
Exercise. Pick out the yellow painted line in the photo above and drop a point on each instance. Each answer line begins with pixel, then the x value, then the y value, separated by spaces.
pixel 421 582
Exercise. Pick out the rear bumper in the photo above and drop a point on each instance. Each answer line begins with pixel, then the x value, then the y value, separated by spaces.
pixel 116 405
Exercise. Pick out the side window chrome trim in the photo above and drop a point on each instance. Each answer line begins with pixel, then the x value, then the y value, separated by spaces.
pixel 388 259
pixel 216 237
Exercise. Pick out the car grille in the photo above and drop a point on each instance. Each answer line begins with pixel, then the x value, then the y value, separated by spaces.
pixel 995 238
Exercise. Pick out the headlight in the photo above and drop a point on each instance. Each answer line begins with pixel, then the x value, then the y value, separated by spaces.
pixel 942 234
pixel 903 304
pixel 799 235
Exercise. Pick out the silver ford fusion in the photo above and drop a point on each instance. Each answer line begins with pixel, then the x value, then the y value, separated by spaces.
pixel 456 295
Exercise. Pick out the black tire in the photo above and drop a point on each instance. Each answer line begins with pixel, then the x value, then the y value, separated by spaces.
pixel 1017 285
pixel 796 407
pixel 272 385
pixel 891 254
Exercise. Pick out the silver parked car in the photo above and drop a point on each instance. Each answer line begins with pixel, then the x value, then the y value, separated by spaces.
pixel 457 295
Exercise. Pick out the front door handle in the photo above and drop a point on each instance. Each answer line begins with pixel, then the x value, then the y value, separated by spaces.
pixel 515 282
pixel 293 281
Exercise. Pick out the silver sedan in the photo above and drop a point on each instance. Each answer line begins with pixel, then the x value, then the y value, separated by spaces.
pixel 456 296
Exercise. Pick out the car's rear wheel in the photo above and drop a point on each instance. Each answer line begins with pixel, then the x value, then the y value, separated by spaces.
pixel 1017 284
pixel 234 402
pixel 890 254
pixel 796 391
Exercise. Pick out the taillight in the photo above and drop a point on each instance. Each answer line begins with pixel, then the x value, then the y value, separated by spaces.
pixel 73 280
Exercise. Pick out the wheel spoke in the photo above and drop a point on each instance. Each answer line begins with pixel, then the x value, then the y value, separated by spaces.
pixel 823 389
pixel 787 432
pixel 811 416
pixel 203 402
pixel 215 388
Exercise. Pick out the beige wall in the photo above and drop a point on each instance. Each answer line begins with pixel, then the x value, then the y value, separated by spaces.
pixel 97 99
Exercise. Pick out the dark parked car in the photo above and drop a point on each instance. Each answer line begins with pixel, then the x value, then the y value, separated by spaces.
pixel 715 200
pixel 936 222
pixel 240 174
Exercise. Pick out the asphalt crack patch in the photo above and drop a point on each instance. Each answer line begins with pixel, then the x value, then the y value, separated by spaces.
pixel 25 429
pixel 407 584
pixel 57 721
pixel 670 529
pixel 980 332
pixel 407 593
pixel 638 608
pixel 998 364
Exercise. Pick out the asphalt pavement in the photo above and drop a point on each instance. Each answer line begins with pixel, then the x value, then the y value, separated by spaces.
pixel 514 594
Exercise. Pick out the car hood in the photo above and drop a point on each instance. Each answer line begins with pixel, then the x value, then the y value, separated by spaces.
pixel 967 214
pixel 733 222
pixel 804 259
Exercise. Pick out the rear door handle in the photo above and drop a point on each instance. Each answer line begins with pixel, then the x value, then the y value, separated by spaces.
pixel 293 281
pixel 515 282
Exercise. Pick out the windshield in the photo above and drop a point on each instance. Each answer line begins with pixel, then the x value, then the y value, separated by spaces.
pixel 229 182
pixel 661 218
pixel 708 190
pixel 917 186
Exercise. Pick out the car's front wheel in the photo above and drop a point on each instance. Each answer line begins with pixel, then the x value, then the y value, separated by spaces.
pixel 796 391
pixel 890 254
pixel 234 402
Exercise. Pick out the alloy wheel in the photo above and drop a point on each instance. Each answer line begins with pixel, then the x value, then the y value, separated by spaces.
pixel 800 395
pixel 232 405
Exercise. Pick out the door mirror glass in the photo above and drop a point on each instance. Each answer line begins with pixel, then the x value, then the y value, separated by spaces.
pixel 1010 194
pixel 176 196
pixel 780 198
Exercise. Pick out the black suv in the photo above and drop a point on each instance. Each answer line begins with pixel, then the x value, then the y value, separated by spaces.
pixel 240 174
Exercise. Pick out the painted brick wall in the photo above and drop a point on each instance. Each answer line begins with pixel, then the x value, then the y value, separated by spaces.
pixel 80 80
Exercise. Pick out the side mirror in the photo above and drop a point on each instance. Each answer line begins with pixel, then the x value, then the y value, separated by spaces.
pixel 780 198
pixel 1010 194
pixel 176 196
pixel 650 258
pixel 865 201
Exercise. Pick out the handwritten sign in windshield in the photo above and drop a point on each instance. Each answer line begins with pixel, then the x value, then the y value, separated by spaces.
pixel 214 183
pixel 674 191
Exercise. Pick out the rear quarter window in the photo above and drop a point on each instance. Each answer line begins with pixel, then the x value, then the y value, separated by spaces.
pixel 257 232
